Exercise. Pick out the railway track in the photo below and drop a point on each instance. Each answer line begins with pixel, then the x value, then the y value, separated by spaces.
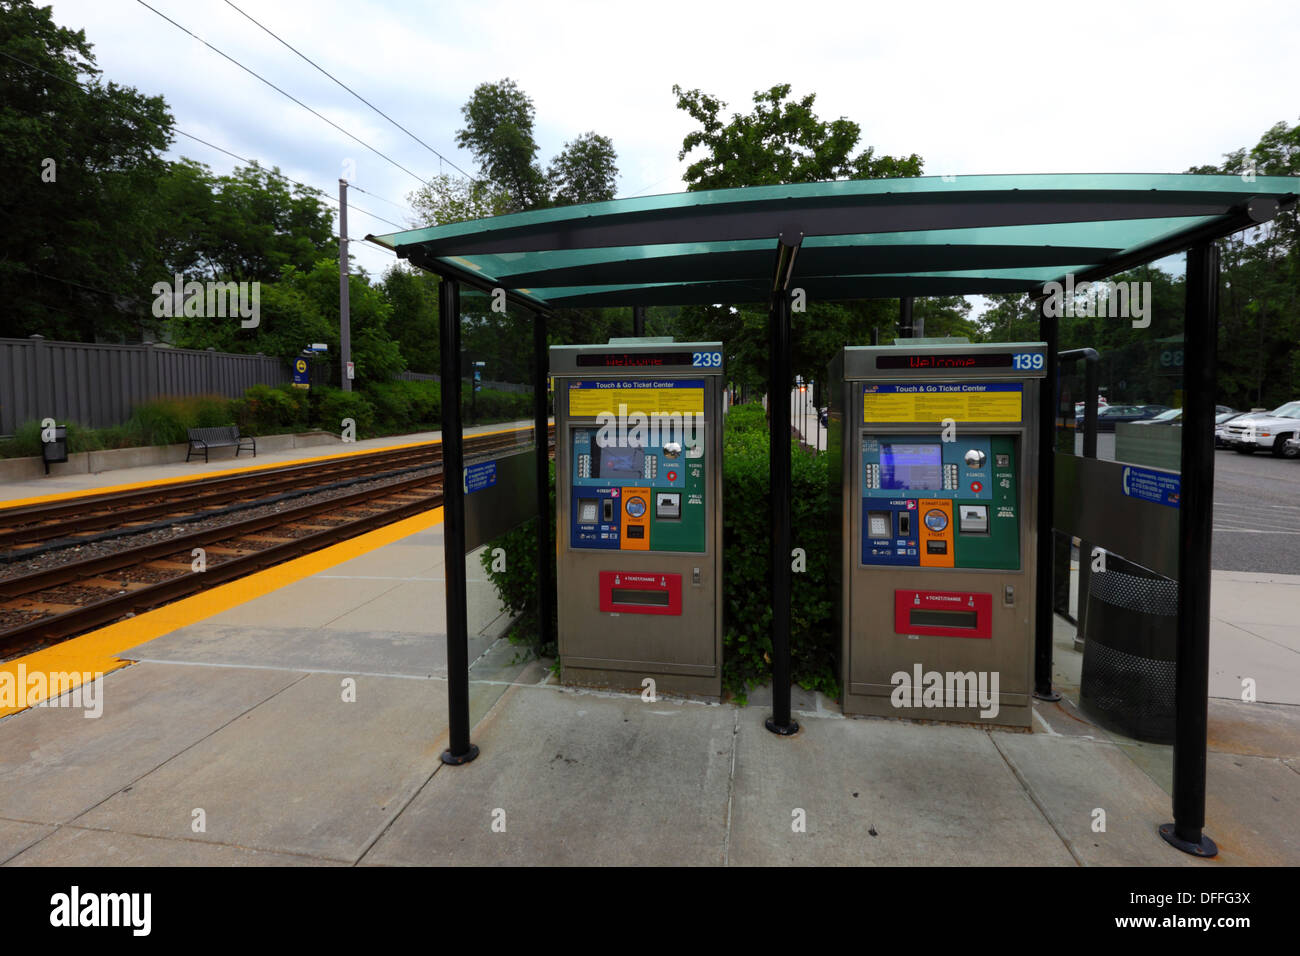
pixel 168 543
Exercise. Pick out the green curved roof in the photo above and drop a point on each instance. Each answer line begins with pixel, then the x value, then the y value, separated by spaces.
pixel 876 238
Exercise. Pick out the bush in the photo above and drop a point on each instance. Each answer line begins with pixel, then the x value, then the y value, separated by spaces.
pixel 165 421
pixel 517 584
pixel 331 406
pixel 747 543
pixel 265 410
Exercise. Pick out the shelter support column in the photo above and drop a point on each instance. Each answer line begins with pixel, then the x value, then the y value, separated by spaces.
pixel 780 383
pixel 459 750
pixel 1044 616
pixel 1195 530
pixel 545 586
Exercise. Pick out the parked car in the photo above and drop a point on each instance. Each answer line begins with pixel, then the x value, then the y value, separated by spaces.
pixel 1220 425
pixel 1271 431
pixel 1110 415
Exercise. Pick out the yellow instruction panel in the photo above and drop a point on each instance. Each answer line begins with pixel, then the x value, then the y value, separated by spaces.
pixel 665 397
pixel 933 402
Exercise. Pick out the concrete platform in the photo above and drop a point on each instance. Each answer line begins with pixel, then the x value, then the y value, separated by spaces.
pixel 304 726
pixel 222 461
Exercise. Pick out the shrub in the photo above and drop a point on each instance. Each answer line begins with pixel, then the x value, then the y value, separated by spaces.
pixel 747 544
pixel 517 584
pixel 264 410
pixel 332 405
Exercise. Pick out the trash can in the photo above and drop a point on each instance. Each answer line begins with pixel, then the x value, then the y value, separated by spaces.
pixel 1127 683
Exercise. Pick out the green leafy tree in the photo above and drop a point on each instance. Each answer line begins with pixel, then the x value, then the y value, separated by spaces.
pixel 301 308
pixel 447 199
pixel 1259 311
pixel 81 160
pixel 586 170
pixel 783 141
pixel 412 297
pixel 499 133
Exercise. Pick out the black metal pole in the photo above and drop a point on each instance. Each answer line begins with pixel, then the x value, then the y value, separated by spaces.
pixel 459 750
pixel 905 321
pixel 780 433
pixel 1043 614
pixel 638 320
pixel 541 376
pixel 1195 536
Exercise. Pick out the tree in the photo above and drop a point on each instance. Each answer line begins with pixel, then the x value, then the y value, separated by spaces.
pixel 245 226
pixel 499 133
pixel 82 161
pixel 781 142
pixel 447 199
pixel 301 308
pixel 585 171
pixel 412 297
pixel 1259 315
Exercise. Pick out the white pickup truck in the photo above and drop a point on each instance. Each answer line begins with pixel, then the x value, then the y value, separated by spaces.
pixel 1266 430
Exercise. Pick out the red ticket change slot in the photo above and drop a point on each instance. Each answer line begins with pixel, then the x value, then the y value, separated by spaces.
pixel 640 593
pixel 943 613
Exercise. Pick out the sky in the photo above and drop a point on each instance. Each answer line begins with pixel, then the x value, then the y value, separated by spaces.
pixel 1037 87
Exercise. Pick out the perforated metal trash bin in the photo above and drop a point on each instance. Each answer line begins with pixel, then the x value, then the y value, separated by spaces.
pixel 1130 637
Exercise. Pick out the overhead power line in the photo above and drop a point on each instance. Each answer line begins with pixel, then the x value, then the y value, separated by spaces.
pixel 258 76
pixel 172 127
pixel 308 59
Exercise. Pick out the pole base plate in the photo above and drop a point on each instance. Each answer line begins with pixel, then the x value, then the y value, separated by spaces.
pixel 782 730
pixel 1051 696
pixel 1205 847
pixel 457 759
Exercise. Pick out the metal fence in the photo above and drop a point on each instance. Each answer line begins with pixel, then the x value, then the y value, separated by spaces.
pixel 99 385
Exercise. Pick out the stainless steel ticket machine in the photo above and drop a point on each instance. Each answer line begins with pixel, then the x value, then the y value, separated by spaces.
pixel 934 512
pixel 638 426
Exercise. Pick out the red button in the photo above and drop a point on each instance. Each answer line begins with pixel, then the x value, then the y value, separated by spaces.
pixel 976 487
pixel 672 476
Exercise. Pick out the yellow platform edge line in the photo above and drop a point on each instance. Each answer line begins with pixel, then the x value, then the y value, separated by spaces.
pixel 181 479
pixel 96 652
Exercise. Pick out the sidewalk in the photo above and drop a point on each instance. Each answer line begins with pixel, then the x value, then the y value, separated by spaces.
pixel 242 720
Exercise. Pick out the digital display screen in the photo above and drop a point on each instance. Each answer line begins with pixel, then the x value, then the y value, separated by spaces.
pixel 908 467
pixel 633 359
pixel 996 360
pixel 620 463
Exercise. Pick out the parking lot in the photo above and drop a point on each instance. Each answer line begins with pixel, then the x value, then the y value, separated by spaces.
pixel 1256 513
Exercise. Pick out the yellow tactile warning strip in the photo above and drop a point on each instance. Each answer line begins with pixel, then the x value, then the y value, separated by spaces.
pixel 66 664
pixel 180 479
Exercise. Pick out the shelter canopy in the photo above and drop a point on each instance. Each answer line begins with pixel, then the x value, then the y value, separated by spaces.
pixel 861 239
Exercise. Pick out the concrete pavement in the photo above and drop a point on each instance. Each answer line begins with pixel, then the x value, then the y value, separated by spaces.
pixel 304 727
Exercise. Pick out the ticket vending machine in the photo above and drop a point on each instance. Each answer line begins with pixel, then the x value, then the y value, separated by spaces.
pixel 638 474
pixel 934 512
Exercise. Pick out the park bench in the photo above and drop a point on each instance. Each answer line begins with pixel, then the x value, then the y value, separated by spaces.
pixel 202 439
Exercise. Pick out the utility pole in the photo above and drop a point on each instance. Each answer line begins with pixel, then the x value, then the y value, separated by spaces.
pixel 345 317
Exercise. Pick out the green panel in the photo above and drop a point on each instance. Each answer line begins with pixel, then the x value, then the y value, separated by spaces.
pixel 1000 549
pixel 690 533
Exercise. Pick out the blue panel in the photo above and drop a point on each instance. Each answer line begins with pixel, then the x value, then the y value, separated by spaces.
pixel 650 465
pixel 900 551
pixel 598 534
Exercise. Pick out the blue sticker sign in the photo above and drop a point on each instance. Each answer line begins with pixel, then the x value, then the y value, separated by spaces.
pixel 1160 487
pixel 301 373
pixel 480 476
